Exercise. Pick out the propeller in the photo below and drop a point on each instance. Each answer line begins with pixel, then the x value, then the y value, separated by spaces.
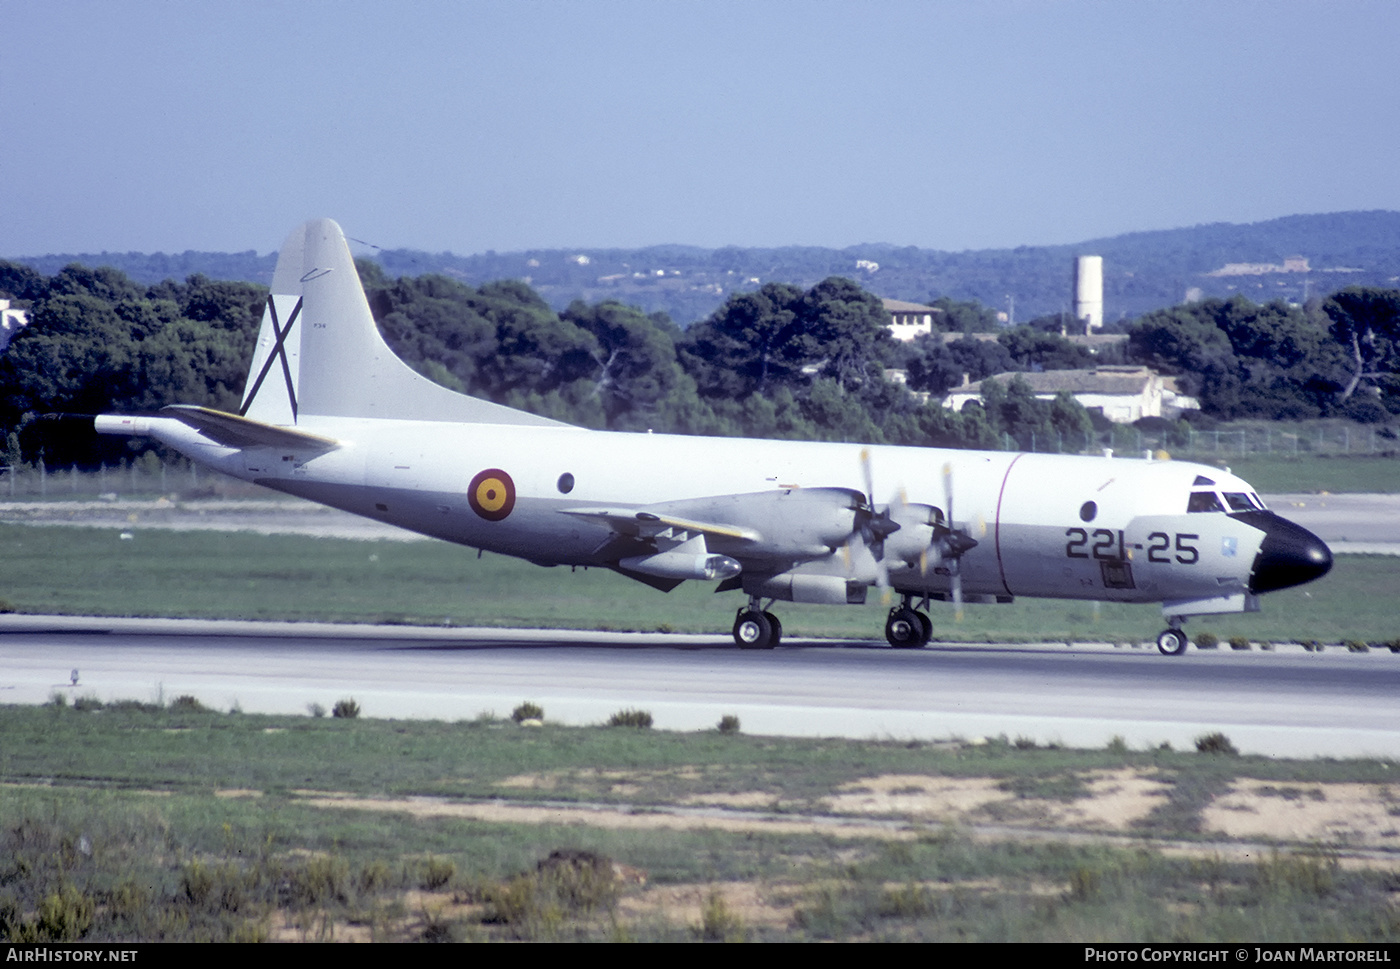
pixel 909 532
pixel 875 526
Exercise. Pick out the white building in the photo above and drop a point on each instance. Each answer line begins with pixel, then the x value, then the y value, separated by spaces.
pixel 908 320
pixel 1122 394
pixel 11 322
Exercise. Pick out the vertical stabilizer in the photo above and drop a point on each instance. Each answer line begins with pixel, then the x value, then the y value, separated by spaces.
pixel 320 354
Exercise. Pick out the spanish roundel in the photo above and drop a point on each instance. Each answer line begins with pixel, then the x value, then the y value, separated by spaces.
pixel 491 494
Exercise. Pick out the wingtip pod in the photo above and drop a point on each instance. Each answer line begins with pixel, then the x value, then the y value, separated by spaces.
pixel 320 353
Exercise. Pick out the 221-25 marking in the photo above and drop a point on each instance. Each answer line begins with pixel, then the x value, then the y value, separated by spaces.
pixel 1109 545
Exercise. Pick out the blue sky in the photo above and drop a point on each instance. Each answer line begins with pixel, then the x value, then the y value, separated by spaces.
pixel 466 126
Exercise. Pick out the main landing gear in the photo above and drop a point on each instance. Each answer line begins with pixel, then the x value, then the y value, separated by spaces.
pixel 1172 641
pixel 756 629
pixel 907 627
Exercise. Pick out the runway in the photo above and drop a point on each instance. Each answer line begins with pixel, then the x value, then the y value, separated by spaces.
pixel 1285 703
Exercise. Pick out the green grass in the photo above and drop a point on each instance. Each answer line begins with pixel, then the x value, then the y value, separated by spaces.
pixel 80 571
pixel 1338 474
pixel 110 828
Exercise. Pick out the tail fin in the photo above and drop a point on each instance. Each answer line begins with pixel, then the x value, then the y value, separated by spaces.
pixel 320 354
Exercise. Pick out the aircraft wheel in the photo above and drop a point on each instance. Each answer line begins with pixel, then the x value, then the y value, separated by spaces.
pixel 752 630
pixel 777 625
pixel 1172 642
pixel 904 630
pixel 927 624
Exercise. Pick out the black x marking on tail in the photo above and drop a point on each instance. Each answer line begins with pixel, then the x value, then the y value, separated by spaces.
pixel 280 350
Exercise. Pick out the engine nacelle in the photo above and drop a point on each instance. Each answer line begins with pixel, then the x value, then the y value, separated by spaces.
pixel 831 590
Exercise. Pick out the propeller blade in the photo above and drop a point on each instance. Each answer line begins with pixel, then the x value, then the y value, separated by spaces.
pixel 957 543
pixel 948 494
pixel 869 479
pixel 957 592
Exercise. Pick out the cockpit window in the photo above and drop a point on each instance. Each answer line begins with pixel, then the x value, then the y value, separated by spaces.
pixel 1238 501
pixel 1204 501
pixel 1202 481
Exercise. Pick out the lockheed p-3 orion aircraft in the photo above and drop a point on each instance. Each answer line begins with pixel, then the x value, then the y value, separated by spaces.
pixel 330 414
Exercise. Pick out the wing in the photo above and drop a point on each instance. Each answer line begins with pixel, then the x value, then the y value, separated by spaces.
pixel 720 536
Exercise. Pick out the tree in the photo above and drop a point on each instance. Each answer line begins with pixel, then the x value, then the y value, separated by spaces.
pixel 851 330
pixel 1033 349
pixel 981 358
pixel 965 316
pixel 756 342
pixel 930 366
pixel 1366 323
pixel 637 379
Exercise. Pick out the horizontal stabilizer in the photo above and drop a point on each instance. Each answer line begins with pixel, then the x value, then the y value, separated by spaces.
pixel 234 431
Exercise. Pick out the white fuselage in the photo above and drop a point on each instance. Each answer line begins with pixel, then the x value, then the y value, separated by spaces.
pixel 1046 525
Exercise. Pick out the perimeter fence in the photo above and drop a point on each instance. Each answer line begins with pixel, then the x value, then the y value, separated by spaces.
pixel 1233 442
pixel 149 477
pixel 141 478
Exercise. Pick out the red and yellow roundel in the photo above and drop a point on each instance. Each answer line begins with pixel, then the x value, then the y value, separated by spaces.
pixel 491 494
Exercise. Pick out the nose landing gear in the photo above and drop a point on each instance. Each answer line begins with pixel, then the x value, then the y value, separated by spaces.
pixel 1172 641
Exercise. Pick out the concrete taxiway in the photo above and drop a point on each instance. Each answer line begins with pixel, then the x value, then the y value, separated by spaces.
pixel 1286 702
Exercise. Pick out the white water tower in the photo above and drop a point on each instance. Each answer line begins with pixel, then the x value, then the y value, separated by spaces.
pixel 1088 292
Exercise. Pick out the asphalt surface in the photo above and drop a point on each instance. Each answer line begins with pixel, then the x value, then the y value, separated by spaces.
pixel 1287 702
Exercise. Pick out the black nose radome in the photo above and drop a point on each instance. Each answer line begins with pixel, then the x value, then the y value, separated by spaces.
pixel 1289 555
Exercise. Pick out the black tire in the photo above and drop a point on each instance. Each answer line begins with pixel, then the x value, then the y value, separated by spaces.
pixel 927 623
pixel 752 630
pixel 777 625
pixel 904 630
pixel 1172 642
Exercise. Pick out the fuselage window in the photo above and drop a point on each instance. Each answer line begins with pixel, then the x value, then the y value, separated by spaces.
pixel 1204 501
pixel 1238 501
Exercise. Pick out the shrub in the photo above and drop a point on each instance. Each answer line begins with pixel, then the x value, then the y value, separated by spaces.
pixel 437 872
pixel 87 704
pixel 1207 641
pixel 136 706
pixel 718 922
pixel 630 718
pixel 65 915
pixel 187 704
pixel 315 709
pixel 729 723
pixel 527 711
pixel 1085 884
pixel 374 876
pixel 568 881
pixel 1239 642
pixel 1216 743
pixel 322 879
pixel 346 709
